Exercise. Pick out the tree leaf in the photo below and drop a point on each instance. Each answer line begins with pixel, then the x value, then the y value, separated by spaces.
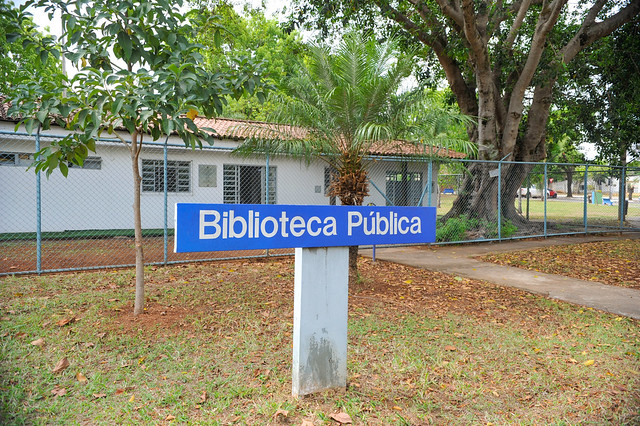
pixel 62 365
pixel 58 391
pixel 81 378
pixel 38 342
pixel 342 418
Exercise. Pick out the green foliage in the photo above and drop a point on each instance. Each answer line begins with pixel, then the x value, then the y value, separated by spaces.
pixel 18 63
pixel 458 229
pixel 342 102
pixel 605 109
pixel 250 35
pixel 138 71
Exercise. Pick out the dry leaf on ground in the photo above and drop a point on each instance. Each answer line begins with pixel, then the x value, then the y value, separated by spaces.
pixel 61 366
pixel 38 342
pixel 342 418
pixel 58 391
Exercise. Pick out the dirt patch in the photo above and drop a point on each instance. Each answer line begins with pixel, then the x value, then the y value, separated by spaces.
pixel 21 255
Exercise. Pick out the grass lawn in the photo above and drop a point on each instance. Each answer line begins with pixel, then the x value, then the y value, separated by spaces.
pixel 214 347
pixel 608 262
pixel 561 210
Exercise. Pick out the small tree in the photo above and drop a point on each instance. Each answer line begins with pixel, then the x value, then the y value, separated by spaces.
pixel 347 102
pixel 139 75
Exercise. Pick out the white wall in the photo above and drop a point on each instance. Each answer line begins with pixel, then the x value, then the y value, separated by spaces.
pixel 102 199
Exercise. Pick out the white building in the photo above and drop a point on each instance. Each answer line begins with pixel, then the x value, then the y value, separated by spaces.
pixel 99 196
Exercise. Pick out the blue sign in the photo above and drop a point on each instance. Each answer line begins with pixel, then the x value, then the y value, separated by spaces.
pixel 217 227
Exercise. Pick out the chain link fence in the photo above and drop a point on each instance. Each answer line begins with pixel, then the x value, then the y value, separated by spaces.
pixel 85 221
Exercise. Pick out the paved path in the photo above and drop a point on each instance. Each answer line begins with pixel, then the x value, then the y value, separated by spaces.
pixel 458 260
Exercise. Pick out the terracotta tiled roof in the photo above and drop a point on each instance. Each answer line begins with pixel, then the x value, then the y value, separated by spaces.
pixel 226 128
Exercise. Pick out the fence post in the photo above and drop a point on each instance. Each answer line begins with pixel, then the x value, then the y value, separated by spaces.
pixel 38 212
pixel 586 198
pixel 166 200
pixel 622 194
pixel 266 180
pixel 430 181
pixel 500 200
pixel 544 195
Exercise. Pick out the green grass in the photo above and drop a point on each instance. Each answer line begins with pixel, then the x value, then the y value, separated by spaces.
pixel 215 348
pixel 559 210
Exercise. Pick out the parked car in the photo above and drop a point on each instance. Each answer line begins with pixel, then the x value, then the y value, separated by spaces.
pixel 536 193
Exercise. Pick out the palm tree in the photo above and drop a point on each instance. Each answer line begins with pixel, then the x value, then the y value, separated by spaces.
pixel 341 105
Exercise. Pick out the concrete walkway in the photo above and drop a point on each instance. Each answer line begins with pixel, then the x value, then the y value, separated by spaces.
pixel 458 260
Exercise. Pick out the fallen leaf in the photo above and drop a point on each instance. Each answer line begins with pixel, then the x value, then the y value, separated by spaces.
pixel 99 395
pixel 283 413
pixel 306 422
pixel 65 321
pixel 169 418
pixel 58 391
pixel 342 418
pixel 61 366
pixel 408 281
pixel 101 335
pixel 133 396
pixel 38 342
pixel 588 362
pixel 395 407
pixel 81 378
pixel 203 397
pixel 449 348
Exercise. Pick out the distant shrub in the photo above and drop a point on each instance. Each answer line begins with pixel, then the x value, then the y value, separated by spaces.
pixel 459 229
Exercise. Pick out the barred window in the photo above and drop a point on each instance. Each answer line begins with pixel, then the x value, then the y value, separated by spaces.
pixel 15 158
pixel 248 184
pixel 90 163
pixel 178 176
pixel 403 188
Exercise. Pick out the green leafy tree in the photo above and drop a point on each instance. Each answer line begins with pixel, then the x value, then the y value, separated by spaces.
pixel 607 109
pixel 249 36
pixel 502 61
pixel 563 138
pixel 139 76
pixel 16 62
pixel 346 103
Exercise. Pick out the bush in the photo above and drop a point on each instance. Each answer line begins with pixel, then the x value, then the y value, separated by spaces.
pixel 458 229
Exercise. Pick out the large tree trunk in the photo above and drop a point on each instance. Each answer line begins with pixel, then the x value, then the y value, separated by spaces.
pixel 569 171
pixel 136 145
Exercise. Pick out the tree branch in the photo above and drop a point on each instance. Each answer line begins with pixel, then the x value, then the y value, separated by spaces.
pixel 464 94
pixel 590 31
pixel 546 20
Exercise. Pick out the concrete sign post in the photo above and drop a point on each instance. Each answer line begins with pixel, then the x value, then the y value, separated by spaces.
pixel 321 236
pixel 320 319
